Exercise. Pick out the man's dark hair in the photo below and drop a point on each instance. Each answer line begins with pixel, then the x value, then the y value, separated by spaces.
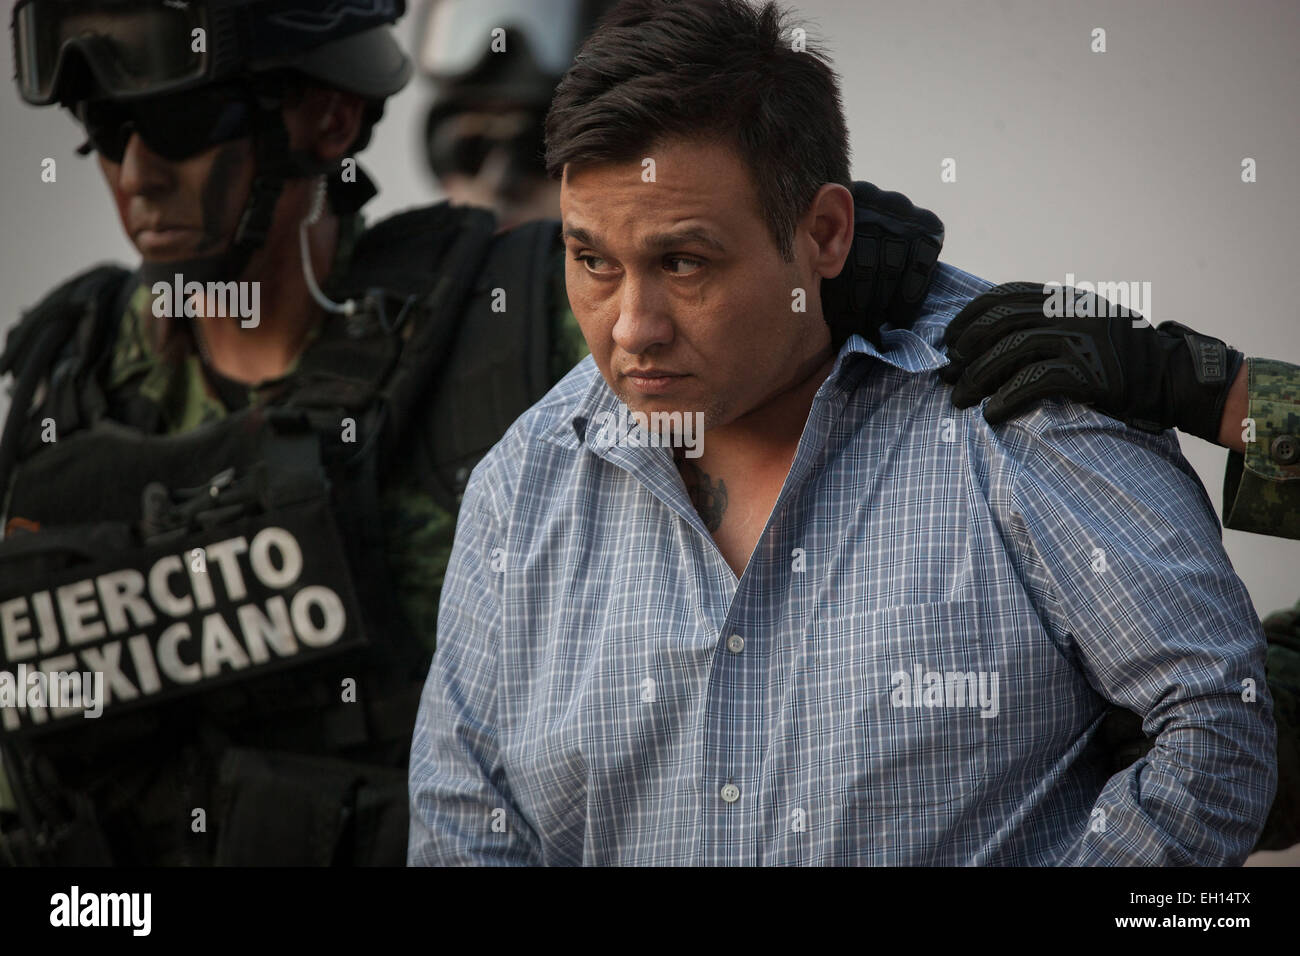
pixel 706 69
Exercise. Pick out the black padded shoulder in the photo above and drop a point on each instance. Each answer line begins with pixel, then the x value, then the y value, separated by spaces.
pixel 63 308
pixel 59 339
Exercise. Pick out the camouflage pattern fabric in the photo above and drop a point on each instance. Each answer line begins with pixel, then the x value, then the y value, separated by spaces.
pixel 1260 493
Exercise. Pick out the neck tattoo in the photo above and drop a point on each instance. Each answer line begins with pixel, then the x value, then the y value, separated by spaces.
pixel 708 496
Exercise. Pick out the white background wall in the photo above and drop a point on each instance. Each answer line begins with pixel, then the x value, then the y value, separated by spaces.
pixel 1123 165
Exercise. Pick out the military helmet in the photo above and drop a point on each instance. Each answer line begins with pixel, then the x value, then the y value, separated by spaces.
pixel 515 50
pixel 131 67
pixel 66 50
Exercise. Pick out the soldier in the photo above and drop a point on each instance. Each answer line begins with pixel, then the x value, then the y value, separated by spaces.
pixel 483 132
pixel 1014 346
pixel 238 486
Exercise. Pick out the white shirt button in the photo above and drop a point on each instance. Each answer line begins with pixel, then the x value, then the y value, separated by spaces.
pixel 735 643
pixel 730 793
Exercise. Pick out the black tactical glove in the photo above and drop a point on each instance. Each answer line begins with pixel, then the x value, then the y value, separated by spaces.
pixel 1007 344
pixel 887 273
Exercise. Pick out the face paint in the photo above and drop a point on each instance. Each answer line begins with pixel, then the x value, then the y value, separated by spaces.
pixel 217 196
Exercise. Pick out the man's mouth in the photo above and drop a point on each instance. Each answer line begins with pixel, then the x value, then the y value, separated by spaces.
pixel 161 240
pixel 652 373
pixel 652 381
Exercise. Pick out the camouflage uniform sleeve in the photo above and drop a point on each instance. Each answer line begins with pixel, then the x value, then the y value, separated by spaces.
pixel 1261 493
pixel 420 533
pixel 1261 489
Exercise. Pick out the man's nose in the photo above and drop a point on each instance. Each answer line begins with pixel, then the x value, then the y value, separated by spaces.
pixel 144 172
pixel 643 317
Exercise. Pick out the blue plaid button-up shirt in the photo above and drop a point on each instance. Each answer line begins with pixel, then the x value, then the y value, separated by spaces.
pixel 911 670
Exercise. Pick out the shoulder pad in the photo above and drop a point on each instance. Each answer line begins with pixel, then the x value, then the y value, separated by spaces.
pixel 67 303
pixel 499 363
pixel 406 253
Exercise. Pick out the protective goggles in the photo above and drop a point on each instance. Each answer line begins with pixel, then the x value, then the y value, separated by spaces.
pixel 461 142
pixel 66 50
pixel 458 33
pixel 130 49
pixel 175 127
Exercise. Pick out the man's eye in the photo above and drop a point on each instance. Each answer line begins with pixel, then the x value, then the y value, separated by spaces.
pixel 674 264
pixel 594 264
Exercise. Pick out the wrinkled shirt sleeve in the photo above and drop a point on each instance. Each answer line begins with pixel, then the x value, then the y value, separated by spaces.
pixel 1121 548
pixel 461 807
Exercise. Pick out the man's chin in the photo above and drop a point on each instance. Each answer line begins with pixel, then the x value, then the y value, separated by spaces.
pixel 703 413
pixel 637 402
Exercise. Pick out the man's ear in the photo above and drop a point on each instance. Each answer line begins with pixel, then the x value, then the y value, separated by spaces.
pixel 829 223
pixel 328 122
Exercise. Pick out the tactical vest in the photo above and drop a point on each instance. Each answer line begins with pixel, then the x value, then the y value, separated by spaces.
pixel 229 581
